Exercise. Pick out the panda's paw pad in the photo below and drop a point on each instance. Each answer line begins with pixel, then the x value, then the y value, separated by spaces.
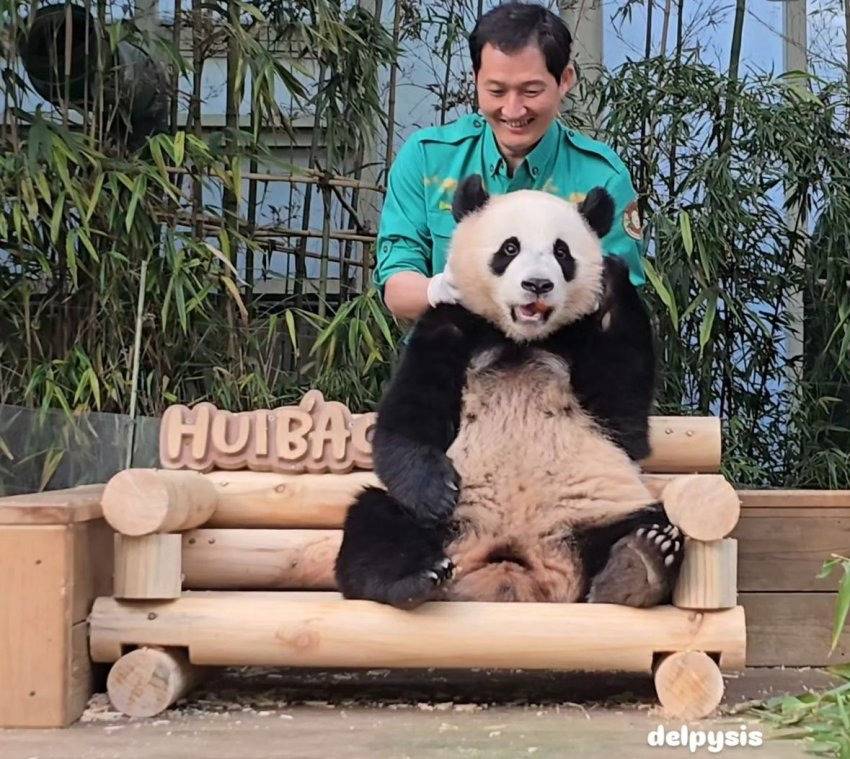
pixel 641 568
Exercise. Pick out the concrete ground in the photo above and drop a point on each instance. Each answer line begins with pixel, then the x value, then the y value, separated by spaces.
pixel 260 713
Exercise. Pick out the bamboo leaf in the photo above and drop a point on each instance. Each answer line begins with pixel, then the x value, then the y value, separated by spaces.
pixel 94 198
pixel 139 187
pixel 179 148
pixel 293 335
pixel 663 292
pixel 71 255
pixel 56 217
pixel 842 606
pixel 51 463
pixel 707 322
pixel 685 228
pixel 230 285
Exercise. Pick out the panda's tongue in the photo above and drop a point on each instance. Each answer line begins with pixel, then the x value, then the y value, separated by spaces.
pixel 533 309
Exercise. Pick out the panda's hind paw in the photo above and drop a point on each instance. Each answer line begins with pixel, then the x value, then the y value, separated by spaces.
pixel 641 568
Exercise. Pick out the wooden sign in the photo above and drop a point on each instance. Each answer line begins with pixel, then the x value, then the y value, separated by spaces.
pixel 316 436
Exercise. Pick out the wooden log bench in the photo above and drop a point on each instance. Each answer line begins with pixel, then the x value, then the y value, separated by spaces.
pixel 216 568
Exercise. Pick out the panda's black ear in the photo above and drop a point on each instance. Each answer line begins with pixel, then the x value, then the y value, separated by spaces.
pixel 598 209
pixel 470 195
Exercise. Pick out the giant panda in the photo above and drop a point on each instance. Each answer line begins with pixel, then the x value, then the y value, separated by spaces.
pixel 508 437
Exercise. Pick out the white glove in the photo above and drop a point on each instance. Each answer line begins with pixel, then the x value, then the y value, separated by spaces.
pixel 441 289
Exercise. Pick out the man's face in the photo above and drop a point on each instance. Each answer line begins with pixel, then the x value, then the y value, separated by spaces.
pixel 519 97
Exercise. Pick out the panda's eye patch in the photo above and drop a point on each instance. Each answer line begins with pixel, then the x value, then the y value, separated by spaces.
pixel 561 250
pixel 510 247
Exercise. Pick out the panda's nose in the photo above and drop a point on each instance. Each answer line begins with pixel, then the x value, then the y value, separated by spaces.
pixel 538 286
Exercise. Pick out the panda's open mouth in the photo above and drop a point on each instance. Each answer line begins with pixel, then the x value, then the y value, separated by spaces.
pixel 531 313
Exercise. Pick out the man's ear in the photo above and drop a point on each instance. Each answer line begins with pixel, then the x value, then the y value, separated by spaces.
pixel 598 210
pixel 568 79
pixel 470 195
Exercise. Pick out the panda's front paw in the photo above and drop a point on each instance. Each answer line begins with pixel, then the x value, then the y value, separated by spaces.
pixel 419 587
pixel 641 568
pixel 428 488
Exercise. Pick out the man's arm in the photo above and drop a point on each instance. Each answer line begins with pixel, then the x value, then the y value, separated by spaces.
pixel 406 294
pixel 625 239
pixel 404 243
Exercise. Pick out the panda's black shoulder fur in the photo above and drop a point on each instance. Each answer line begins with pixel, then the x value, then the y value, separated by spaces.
pixel 611 355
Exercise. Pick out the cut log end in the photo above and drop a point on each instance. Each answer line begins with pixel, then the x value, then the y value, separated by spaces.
pixel 689 685
pixel 704 506
pixel 147 681
pixel 145 501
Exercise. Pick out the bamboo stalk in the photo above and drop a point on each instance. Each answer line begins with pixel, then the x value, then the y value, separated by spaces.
pixel 134 382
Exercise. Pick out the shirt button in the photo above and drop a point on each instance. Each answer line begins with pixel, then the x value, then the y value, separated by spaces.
pixel 535 171
pixel 476 123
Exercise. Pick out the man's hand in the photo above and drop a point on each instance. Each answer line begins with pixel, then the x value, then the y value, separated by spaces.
pixel 441 289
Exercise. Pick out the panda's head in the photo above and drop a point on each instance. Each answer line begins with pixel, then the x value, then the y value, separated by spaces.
pixel 528 261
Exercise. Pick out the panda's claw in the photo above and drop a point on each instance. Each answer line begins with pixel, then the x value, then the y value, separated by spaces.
pixel 441 572
pixel 640 570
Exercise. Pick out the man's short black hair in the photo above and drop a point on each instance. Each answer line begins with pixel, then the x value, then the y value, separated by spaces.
pixel 512 26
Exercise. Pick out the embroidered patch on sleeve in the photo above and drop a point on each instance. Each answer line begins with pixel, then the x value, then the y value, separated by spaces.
pixel 631 221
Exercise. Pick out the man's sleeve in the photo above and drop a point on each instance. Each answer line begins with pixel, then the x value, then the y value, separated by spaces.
pixel 404 242
pixel 626 236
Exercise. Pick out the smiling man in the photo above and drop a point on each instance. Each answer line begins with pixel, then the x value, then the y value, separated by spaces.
pixel 521 61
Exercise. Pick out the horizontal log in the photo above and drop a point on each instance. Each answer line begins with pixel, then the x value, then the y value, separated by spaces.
pixel 323 630
pixel 266 499
pixel 260 559
pixel 683 444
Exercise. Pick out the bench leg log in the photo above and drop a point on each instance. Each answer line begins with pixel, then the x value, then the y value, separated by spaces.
pixel 689 685
pixel 147 681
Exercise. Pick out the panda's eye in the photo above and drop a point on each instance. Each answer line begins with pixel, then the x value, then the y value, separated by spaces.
pixel 510 247
pixel 561 250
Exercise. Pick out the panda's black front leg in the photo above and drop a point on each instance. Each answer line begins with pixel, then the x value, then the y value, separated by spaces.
pixel 388 557
pixel 642 561
pixel 419 414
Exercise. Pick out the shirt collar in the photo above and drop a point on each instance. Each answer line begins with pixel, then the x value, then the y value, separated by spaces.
pixel 538 159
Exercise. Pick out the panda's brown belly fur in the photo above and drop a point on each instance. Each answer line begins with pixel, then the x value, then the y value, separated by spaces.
pixel 534 471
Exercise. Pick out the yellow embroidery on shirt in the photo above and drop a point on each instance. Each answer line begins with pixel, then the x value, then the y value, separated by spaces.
pixel 443 206
pixel 576 197
pixel 449 184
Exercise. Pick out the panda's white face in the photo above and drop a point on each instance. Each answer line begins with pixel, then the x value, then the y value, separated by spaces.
pixel 528 262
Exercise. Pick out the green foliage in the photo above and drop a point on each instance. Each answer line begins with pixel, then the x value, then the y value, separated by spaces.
pixel 822 719
pixel 746 238
pixel 744 234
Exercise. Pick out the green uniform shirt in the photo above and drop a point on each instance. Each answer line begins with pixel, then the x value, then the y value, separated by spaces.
pixel 416 220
